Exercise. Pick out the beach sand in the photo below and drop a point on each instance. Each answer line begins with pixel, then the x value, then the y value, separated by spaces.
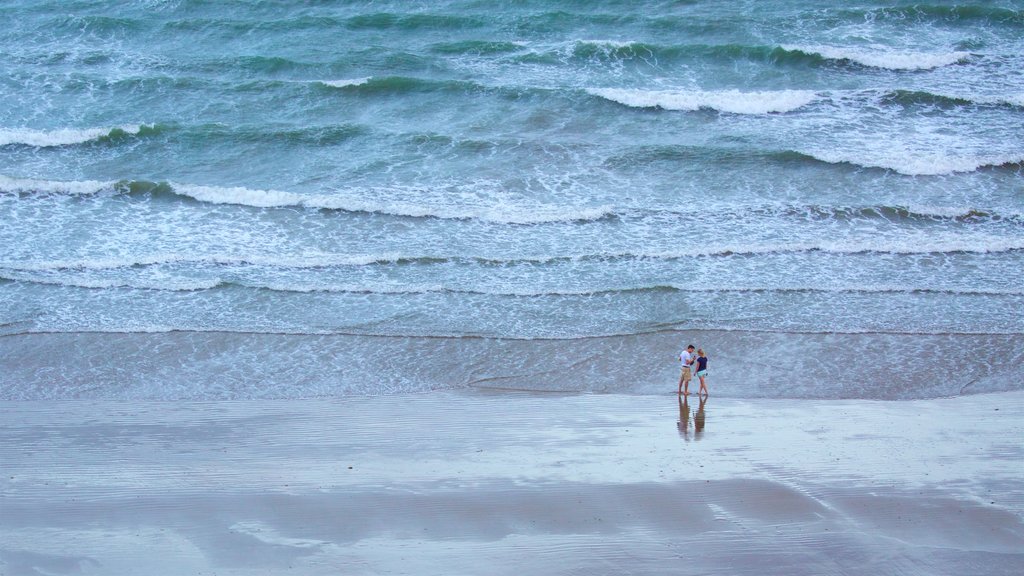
pixel 485 482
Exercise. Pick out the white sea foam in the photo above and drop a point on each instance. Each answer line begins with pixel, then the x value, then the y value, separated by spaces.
pixel 346 82
pixel 949 244
pixel 853 288
pixel 733 101
pixel 613 44
pixel 1015 100
pixel 240 195
pixel 984 245
pixel 943 211
pixel 917 164
pixel 61 137
pixel 168 284
pixel 309 260
pixel 498 212
pixel 375 288
pixel 885 57
pixel 21 185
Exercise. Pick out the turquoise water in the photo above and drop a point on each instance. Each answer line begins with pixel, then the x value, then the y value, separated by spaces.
pixel 525 171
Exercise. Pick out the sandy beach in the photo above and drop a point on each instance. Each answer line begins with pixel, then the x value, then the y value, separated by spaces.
pixel 484 482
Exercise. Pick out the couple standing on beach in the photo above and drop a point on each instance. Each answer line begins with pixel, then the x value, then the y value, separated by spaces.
pixel 689 361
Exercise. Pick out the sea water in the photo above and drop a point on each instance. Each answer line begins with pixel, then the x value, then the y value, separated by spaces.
pixel 283 199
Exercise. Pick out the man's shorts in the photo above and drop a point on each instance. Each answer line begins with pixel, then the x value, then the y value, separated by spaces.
pixel 686 374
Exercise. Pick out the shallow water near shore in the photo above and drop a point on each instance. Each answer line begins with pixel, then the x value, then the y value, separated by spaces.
pixel 233 366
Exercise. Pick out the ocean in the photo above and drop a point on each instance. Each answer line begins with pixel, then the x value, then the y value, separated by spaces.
pixel 269 199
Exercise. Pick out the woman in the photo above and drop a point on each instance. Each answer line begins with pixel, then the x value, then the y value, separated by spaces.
pixel 702 370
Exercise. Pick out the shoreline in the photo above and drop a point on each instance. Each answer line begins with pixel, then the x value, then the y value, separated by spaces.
pixel 744 364
pixel 497 482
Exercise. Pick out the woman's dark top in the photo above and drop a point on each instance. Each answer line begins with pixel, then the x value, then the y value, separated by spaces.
pixel 702 363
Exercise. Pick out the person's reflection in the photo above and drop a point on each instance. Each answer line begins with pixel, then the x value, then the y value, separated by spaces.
pixel 698 418
pixel 684 417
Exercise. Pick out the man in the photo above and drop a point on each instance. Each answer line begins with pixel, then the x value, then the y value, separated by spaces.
pixel 686 358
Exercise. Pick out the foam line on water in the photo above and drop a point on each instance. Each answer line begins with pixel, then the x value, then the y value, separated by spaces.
pixel 353 203
pixel 72 187
pixel 910 246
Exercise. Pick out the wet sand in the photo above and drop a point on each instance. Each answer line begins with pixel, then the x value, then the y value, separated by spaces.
pixel 481 482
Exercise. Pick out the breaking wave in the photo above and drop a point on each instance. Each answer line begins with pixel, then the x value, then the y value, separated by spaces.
pixel 500 214
pixel 732 101
pixel 881 57
pixel 172 284
pixel 346 83
pixel 68 136
pixel 923 164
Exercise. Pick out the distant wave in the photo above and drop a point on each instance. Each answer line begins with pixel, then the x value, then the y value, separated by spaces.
pixel 908 164
pixel 138 328
pixel 924 98
pixel 877 57
pixel 413 21
pixel 782 101
pixel 498 213
pixel 909 212
pixel 510 214
pixel 346 83
pixel 527 293
pixel 241 196
pixel 951 246
pixel 995 245
pixel 192 285
pixel 967 14
pixel 66 136
pixel 786 55
pixel 477 47
pixel 166 285
pixel 396 84
pixel 32 186
pixel 279 261
pixel 538 293
pixel 733 101
pixel 919 164
pixel 278 135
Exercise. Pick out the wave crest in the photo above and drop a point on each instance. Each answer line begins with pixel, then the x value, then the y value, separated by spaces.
pixel 346 83
pixel 32 186
pixel 67 136
pixel 930 164
pixel 883 57
pixel 910 246
pixel 347 203
pixel 344 201
pixel 732 101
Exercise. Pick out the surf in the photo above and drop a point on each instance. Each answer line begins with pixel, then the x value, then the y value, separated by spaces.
pixel 70 136
pixel 730 101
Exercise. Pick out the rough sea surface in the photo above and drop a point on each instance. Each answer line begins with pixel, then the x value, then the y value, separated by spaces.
pixel 281 199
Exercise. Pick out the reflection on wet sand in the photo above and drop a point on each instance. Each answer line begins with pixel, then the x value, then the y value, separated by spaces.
pixel 684 417
pixel 698 419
